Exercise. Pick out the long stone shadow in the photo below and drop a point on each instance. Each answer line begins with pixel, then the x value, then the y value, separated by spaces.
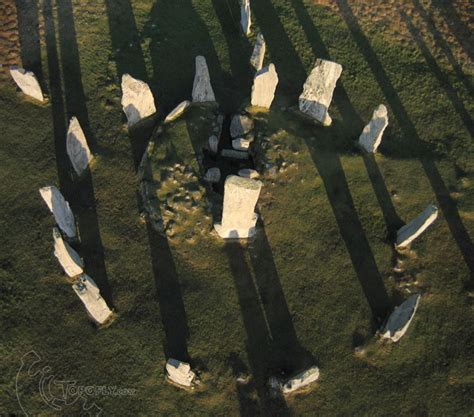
pixel 328 164
pixel 129 59
pixel 447 205
pixel 80 194
pixel 443 45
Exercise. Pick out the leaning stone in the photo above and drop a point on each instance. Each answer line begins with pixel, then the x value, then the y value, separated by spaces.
pixel 240 125
pixel 213 143
pixel 60 208
pixel 248 173
pixel 245 17
pixel 318 90
pixel 177 111
pixel 137 99
pixel 241 144
pixel 372 134
pixel 231 153
pixel 77 148
pixel 67 256
pixel 301 380
pixel 258 54
pixel 213 175
pixel 202 88
pixel 264 86
pixel 416 227
pixel 180 373
pixel 400 319
pixel 238 216
pixel 27 82
pixel 87 290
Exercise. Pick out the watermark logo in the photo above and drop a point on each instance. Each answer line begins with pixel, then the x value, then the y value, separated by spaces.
pixel 59 394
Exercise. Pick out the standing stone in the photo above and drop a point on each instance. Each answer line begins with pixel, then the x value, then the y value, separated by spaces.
pixel 264 86
pixel 416 227
pixel 241 144
pixel 137 99
pixel 372 134
pixel 258 54
pixel 238 216
pixel 177 111
pixel 67 256
pixel 202 88
pixel 27 82
pixel 240 125
pixel 60 208
pixel 213 175
pixel 213 143
pixel 87 290
pixel 301 380
pixel 318 90
pixel 400 319
pixel 180 373
pixel 77 148
pixel 245 18
pixel 248 173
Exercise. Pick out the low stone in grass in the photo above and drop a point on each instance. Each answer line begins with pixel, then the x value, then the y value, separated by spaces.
pixel 177 111
pixel 400 319
pixel 416 227
pixel 241 144
pixel 240 125
pixel 180 373
pixel 248 173
pixel 27 82
pixel 213 175
pixel 233 154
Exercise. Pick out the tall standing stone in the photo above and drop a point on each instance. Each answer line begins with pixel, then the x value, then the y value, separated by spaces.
pixel 137 99
pixel 77 148
pixel 258 54
pixel 264 86
pixel 400 319
pixel 318 90
pixel 372 134
pixel 60 208
pixel 67 256
pixel 202 88
pixel 245 17
pixel 238 216
pixel 416 227
pixel 27 82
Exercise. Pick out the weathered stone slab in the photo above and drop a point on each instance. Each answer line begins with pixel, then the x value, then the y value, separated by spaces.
pixel 213 175
pixel 67 256
pixel 240 125
pixel 264 86
pixel 177 111
pixel 27 82
pixel 301 380
pixel 238 216
pixel 180 373
pixel 400 319
pixel 241 144
pixel 232 153
pixel 258 54
pixel 371 136
pixel 137 99
pixel 318 90
pixel 416 227
pixel 77 148
pixel 248 173
pixel 202 88
pixel 213 143
pixel 245 16
pixel 60 208
pixel 87 290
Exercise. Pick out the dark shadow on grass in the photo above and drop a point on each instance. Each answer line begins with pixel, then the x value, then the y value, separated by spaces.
pixel 447 205
pixel 80 194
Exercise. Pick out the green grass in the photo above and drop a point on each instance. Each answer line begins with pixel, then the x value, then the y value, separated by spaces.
pixel 307 288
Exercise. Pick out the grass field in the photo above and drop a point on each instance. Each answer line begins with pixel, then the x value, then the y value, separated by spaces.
pixel 318 279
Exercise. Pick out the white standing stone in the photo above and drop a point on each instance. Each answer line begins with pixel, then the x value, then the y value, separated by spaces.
pixel 301 380
pixel 238 215
pixel 137 99
pixel 318 90
pixel 67 256
pixel 202 88
pixel 177 111
pixel 213 175
pixel 264 86
pixel 27 82
pixel 241 144
pixel 258 54
pixel 400 319
pixel 248 173
pixel 77 148
pixel 180 372
pixel 245 16
pixel 213 143
pixel 416 227
pixel 60 208
pixel 87 290
pixel 240 125
pixel 372 134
